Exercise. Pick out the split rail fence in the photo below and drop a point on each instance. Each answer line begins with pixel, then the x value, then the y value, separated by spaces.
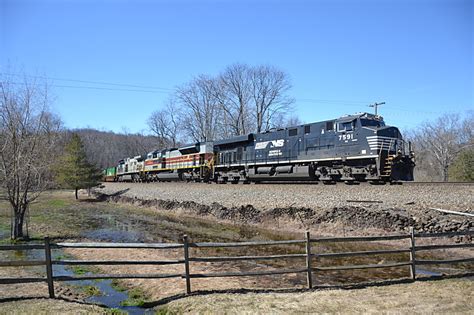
pixel 187 260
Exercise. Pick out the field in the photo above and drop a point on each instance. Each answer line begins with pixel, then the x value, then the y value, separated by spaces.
pixel 437 297
pixel 58 215
pixel 440 297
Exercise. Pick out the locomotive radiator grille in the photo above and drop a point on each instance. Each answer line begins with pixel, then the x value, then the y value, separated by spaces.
pixel 380 142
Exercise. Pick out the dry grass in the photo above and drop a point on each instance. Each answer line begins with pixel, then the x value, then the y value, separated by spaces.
pixel 47 306
pixel 157 289
pixel 437 297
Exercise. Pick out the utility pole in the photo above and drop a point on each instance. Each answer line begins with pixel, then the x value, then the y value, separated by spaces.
pixel 376 105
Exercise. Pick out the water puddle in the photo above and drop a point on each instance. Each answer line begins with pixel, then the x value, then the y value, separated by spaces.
pixel 107 294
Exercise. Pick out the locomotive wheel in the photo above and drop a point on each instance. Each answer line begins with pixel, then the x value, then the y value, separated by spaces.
pixel 352 182
pixel 377 182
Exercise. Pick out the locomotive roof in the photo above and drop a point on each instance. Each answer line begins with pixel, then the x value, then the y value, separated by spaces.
pixel 360 115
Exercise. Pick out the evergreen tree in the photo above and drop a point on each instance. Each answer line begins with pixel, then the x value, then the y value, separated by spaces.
pixel 463 167
pixel 74 171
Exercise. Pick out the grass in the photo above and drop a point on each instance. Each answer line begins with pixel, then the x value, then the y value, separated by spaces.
pixel 136 297
pixel 91 290
pixel 115 311
pixel 118 286
pixel 57 203
pixel 49 306
pixel 79 270
pixel 436 297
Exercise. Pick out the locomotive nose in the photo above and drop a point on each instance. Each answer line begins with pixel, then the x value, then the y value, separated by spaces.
pixel 389 132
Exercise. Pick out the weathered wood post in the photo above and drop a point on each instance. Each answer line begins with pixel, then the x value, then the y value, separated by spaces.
pixel 412 254
pixel 49 267
pixel 309 278
pixel 186 264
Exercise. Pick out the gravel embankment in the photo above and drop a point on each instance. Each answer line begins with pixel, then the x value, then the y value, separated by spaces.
pixel 270 196
pixel 398 206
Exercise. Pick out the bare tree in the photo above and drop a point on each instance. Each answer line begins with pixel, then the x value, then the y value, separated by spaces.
pixel 29 136
pixel 201 108
pixel 235 96
pixel 282 120
pixel 166 124
pixel 439 142
pixel 240 100
pixel 269 98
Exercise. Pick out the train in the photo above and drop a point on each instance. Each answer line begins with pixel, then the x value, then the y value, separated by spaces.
pixel 351 149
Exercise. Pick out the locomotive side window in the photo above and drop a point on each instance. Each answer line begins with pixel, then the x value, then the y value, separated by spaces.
pixel 346 126
pixel 329 125
pixel 371 123
pixel 307 129
pixel 293 132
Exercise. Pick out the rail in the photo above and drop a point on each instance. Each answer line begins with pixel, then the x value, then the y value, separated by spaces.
pixel 308 256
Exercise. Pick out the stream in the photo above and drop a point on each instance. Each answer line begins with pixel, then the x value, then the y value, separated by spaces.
pixel 109 296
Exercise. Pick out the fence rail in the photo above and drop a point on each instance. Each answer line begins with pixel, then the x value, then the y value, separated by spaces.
pixel 308 257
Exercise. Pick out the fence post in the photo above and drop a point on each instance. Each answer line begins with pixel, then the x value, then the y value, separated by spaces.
pixel 186 264
pixel 309 278
pixel 49 267
pixel 412 254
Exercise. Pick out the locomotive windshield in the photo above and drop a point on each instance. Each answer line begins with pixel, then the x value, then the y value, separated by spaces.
pixel 372 123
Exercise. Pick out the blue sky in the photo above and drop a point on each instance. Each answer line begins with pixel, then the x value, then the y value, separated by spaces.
pixel 416 55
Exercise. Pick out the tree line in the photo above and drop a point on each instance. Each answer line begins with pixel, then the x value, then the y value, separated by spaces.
pixel 444 148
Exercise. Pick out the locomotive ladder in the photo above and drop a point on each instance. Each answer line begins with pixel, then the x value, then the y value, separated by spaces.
pixel 388 161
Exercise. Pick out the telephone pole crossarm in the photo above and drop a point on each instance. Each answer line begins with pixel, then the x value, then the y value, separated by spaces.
pixel 376 105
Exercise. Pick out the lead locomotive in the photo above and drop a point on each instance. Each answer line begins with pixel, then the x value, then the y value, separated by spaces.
pixel 352 149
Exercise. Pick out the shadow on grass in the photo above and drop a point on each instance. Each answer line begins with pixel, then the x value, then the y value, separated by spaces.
pixel 315 288
pixel 258 291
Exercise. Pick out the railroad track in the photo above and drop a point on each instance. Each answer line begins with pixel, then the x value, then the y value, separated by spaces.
pixel 438 183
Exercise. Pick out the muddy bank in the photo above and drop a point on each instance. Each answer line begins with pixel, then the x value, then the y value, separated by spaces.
pixel 355 217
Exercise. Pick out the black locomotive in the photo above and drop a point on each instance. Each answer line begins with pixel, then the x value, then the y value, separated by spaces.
pixel 351 149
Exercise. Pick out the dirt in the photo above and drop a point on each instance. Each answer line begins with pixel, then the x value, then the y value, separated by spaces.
pixel 392 219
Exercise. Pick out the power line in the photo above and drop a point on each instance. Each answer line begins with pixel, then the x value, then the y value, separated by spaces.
pixel 93 88
pixel 314 100
pixel 92 82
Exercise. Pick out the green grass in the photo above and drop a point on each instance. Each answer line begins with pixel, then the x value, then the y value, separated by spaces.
pixel 136 297
pixel 63 256
pixel 118 286
pixel 91 290
pixel 79 270
pixel 57 203
pixel 115 311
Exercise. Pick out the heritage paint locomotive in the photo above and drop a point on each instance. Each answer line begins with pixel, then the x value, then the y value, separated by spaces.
pixel 351 149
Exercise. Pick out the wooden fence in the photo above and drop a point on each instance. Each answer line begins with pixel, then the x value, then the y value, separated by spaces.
pixel 187 260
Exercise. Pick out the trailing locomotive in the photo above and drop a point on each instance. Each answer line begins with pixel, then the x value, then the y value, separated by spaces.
pixel 351 149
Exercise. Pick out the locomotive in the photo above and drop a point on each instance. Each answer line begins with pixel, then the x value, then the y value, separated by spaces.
pixel 350 149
